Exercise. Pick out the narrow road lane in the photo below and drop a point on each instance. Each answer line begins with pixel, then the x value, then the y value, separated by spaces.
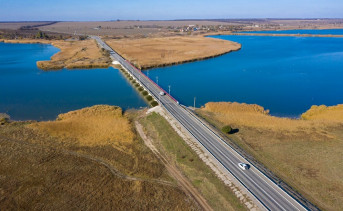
pixel 266 192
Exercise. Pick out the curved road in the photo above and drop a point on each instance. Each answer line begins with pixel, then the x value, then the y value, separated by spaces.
pixel 266 192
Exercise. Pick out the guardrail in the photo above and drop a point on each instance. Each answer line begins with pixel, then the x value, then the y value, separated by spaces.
pixel 291 192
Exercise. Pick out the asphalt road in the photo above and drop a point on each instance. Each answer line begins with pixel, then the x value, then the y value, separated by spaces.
pixel 265 191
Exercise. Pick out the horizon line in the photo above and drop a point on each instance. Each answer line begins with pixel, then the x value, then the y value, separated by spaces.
pixel 190 19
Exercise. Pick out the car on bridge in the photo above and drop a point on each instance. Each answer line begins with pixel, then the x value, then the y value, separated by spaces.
pixel 244 166
pixel 162 93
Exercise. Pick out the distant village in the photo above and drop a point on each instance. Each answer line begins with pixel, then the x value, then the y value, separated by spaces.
pixel 201 28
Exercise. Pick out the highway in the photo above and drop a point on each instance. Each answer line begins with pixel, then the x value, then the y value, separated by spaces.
pixel 266 192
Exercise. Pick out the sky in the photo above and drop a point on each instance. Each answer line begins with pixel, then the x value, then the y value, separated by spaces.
pixel 103 10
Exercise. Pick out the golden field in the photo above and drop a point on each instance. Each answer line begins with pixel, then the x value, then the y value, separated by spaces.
pixel 88 129
pixel 331 113
pixel 156 52
pixel 73 54
pixel 88 159
pixel 306 154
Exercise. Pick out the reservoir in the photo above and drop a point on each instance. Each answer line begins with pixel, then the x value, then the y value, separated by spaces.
pixel 286 75
pixel 27 93
pixel 303 31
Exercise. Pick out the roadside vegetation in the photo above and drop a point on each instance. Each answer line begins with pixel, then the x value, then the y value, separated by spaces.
pixel 306 154
pixel 86 159
pixel 148 98
pixel 169 143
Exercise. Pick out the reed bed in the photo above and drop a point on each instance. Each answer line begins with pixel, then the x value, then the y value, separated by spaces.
pixel 157 52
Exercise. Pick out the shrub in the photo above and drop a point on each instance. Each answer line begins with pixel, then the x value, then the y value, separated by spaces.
pixel 140 89
pixel 149 98
pixel 144 93
pixel 3 120
pixel 154 103
pixel 137 85
pixel 227 129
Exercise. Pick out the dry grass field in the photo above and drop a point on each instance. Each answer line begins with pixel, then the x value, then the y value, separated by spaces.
pixel 123 28
pixel 77 54
pixel 156 52
pixel 17 25
pixel 73 54
pixel 331 113
pixel 306 154
pixel 70 164
pixel 160 28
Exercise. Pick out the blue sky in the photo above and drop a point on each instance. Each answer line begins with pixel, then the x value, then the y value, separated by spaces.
pixel 86 10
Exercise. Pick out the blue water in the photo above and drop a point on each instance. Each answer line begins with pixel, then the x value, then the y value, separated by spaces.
pixel 29 93
pixel 284 74
pixel 303 31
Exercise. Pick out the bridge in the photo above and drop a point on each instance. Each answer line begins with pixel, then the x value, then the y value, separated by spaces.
pixel 267 194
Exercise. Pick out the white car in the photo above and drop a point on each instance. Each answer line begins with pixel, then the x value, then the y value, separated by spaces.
pixel 244 166
pixel 162 93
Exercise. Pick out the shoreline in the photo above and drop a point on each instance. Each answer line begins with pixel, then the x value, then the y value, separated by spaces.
pixel 247 33
pixel 309 114
pixel 149 53
pixel 42 66
pixel 71 55
pixel 188 61
pixel 288 35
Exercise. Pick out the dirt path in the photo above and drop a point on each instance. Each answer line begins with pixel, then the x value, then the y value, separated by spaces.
pixel 174 171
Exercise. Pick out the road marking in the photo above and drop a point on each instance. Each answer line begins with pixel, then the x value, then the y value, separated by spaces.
pixel 182 115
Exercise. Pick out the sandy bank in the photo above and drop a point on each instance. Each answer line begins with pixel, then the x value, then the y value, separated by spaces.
pixel 158 52
pixel 73 54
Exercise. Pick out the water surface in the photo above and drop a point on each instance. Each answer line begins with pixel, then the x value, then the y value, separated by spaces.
pixel 303 31
pixel 29 93
pixel 284 74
